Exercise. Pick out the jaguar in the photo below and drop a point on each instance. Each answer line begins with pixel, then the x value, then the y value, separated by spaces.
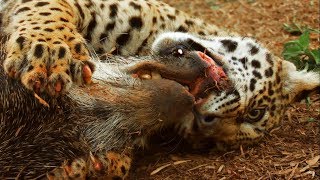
pixel 52 44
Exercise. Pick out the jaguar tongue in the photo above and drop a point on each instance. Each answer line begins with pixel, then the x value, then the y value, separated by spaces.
pixel 215 79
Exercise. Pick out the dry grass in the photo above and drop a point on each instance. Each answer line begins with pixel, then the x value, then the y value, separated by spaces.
pixel 291 151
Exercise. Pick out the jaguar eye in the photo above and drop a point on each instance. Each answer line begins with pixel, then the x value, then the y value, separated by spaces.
pixel 256 114
pixel 178 51
pixel 208 120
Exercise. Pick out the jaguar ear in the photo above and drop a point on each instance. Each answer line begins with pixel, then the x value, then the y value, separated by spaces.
pixel 299 84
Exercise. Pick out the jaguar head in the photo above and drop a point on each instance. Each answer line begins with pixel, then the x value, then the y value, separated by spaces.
pixel 260 87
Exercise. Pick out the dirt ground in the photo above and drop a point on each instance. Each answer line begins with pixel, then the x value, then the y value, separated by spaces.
pixel 291 151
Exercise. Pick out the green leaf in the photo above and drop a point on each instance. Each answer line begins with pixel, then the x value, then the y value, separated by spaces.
pixel 316 55
pixel 304 40
pixel 299 53
pixel 291 50
pixel 291 43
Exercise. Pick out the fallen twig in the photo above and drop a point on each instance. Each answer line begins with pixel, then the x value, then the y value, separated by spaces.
pixel 167 165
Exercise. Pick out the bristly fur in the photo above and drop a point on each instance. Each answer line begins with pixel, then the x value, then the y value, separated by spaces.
pixel 116 113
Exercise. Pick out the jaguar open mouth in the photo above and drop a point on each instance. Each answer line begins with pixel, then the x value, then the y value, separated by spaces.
pixel 199 81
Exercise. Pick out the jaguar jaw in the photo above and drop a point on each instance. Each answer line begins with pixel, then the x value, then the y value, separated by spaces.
pixel 212 77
